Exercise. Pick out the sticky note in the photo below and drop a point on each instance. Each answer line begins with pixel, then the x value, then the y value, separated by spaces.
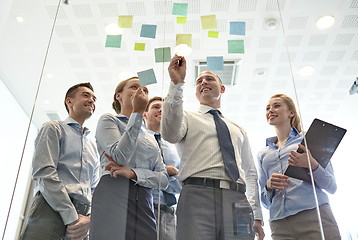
pixel 208 22
pixel 183 39
pixel 125 21
pixel 236 46
pixel 215 63
pixel 213 34
pixel 113 41
pixel 147 77
pixel 237 28
pixel 181 19
pixel 162 54
pixel 148 31
pixel 139 46
pixel 180 9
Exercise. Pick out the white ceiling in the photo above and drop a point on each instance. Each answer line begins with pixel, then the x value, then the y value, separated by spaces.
pixel 77 53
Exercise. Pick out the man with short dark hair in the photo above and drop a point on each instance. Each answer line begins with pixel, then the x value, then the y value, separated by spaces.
pixel 164 200
pixel 217 168
pixel 65 168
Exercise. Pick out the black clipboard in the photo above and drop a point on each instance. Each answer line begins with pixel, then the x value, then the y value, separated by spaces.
pixel 323 139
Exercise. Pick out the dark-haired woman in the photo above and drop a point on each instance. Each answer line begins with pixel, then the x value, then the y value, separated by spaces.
pixel 291 201
pixel 122 205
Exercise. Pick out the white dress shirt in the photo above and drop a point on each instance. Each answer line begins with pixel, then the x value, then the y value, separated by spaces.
pixel 198 145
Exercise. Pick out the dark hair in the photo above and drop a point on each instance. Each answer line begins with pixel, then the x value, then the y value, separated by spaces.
pixel 152 100
pixel 295 120
pixel 71 92
pixel 116 105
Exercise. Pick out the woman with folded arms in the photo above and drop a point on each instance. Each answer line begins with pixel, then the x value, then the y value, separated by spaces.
pixel 122 206
pixel 291 201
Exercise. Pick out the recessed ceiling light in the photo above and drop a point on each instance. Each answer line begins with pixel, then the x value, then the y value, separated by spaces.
pixel 47 102
pixel 19 19
pixel 49 75
pixel 113 29
pixel 306 71
pixel 260 72
pixel 325 22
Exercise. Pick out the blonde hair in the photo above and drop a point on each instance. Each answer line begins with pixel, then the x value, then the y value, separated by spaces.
pixel 116 105
pixel 295 120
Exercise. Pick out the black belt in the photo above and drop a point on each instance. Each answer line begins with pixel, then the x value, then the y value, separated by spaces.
pixel 165 208
pixel 215 183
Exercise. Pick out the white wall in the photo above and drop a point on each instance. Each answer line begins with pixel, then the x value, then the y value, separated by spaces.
pixel 13 126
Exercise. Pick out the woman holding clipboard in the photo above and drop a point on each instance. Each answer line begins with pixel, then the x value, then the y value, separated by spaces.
pixel 291 201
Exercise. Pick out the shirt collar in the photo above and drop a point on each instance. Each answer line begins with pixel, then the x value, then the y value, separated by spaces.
pixel 206 108
pixel 71 122
pixel 273 140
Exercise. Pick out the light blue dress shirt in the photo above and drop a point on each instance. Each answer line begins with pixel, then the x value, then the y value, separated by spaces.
pixel 298 196
pixel 130 145
pixel 65 163
pixel 171 158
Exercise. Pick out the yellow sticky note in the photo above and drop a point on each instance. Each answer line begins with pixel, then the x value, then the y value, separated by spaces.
pixel 213 34
pixel 125 21
pixel 183 39
pixel 209 22
pixel 139 46
pixel 181 19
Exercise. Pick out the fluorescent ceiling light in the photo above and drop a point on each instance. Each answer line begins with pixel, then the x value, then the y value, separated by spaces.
pixel 306 71
pixel 113 29
pixel 325 22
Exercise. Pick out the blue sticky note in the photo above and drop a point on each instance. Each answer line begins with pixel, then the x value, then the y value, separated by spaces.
pixel 237 28
pixel 113 41
pixel 148 31
pixel 180 9
pixel 147 77
pixel 215 63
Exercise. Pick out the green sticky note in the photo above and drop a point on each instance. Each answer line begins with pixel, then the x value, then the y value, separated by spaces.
pixel 162 54
pixel 213 34
pixel 139 46
pixel 113 41
pixel 236 46
pixel 147 77
pixel 180 9
pixel 208 22
pixel 125 21
pixel 183 39
pixel 181 19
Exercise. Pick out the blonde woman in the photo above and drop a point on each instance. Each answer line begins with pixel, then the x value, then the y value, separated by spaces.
pixel 291 201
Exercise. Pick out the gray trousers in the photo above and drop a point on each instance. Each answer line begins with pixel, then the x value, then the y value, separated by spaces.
pixel 122 210
pixel 209 213
pixel 43 222
pixel 304 226
pixel 167 224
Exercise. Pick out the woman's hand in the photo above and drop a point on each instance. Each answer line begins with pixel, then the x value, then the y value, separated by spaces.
pixel 278 182
pixel 301 160
pixel 116 169
pixel 140 100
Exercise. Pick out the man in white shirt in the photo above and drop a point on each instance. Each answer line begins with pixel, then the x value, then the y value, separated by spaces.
pixel 211 205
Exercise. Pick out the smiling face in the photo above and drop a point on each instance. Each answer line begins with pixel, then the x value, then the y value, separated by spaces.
pixel 277 113
pixel 209 89
pixel 82 104
pixel 153 115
